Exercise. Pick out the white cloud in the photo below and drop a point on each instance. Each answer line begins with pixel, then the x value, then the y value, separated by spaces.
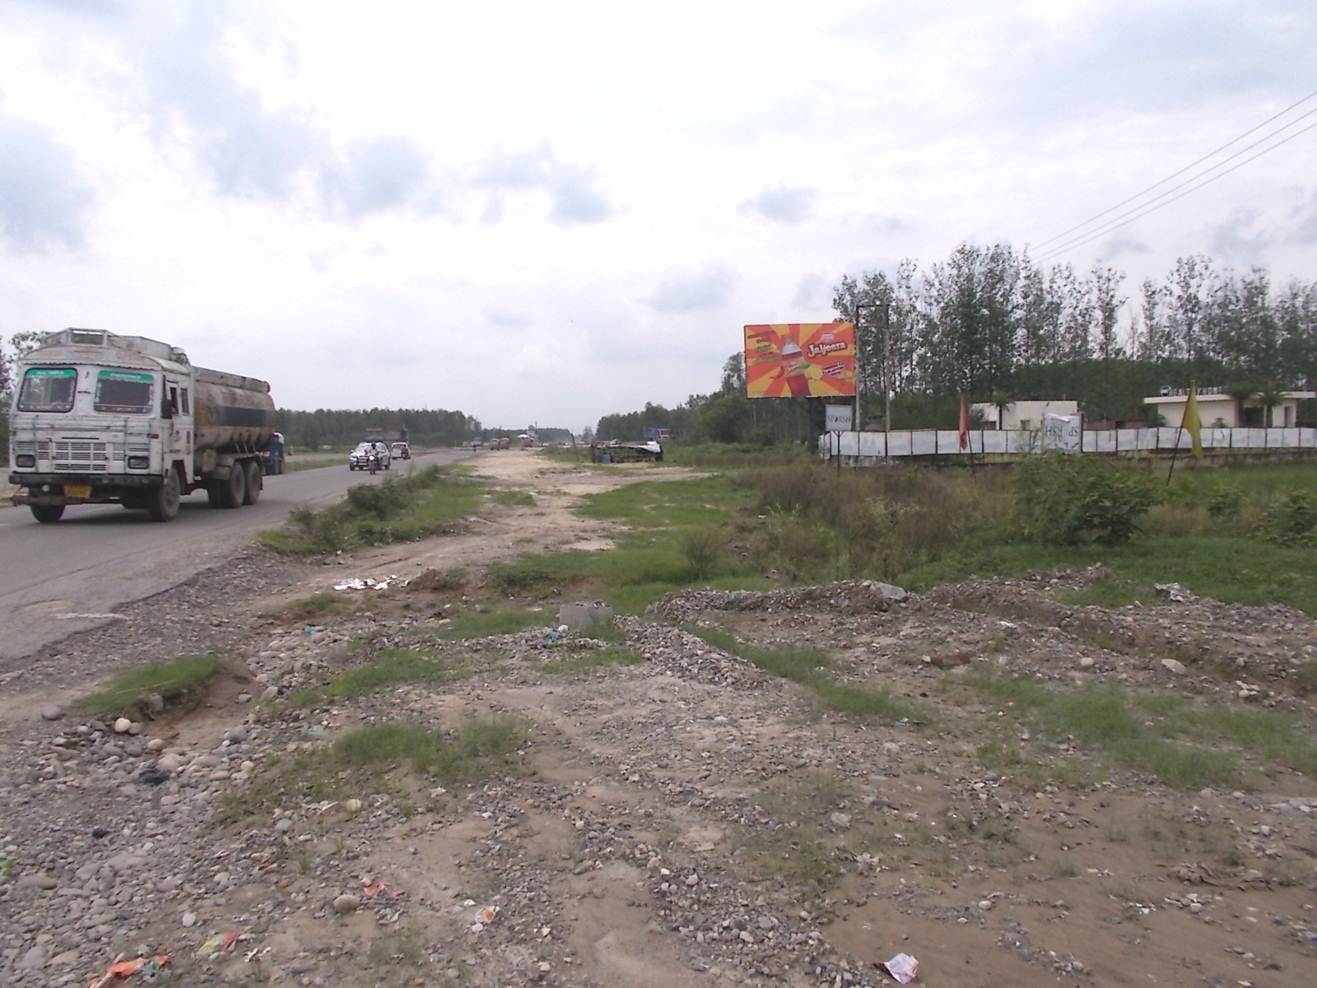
pixel 782 203
pixel 43 197
pixel 493 217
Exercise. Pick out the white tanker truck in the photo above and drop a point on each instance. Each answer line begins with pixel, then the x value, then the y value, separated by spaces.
pixel 99 418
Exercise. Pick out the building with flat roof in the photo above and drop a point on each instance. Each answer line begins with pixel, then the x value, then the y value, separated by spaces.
pixel 1216 409
pixel 1023 414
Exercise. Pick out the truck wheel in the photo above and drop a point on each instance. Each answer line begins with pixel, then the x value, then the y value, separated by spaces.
pixel 254 483
pixel 47 514
pixel 162 501
pixel 234 490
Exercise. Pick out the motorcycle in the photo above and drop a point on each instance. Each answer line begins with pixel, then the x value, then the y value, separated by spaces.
pixel 372 463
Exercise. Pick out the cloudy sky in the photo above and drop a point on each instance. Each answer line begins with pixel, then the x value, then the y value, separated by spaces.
pixel 549 211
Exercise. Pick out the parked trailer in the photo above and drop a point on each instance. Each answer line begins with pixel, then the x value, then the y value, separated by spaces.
pixel 99 418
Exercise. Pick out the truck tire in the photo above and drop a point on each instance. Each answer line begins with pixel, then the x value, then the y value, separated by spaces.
pixel 234 490
pixel 162 501
pixel 47 514
pixel 254 482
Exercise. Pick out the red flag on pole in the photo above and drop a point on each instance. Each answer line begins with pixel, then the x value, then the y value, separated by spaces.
pixel 964 422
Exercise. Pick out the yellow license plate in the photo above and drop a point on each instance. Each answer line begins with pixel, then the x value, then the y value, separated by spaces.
pixel 77 490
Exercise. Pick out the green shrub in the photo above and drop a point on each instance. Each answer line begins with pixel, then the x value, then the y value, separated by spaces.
pixel 1071 500
pixel 1224 503
pixel 1292 520
pixel 381 500
pixel 702 548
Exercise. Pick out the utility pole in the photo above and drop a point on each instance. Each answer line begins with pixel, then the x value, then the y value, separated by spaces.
pixel 859 375
pixel 887 370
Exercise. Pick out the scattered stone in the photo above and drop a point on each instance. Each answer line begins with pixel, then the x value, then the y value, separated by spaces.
pixel 1174 666
pixel 52 712
pixel 347 903
pixel 123 725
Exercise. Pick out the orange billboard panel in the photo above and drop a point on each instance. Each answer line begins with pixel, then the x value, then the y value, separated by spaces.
pixel 800 360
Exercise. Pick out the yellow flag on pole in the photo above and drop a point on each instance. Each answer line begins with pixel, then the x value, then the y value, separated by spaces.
pixel 1190 423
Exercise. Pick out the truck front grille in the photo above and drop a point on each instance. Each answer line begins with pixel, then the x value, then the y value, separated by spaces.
pixel 81 455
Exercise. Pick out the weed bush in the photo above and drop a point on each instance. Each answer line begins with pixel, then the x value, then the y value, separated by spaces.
pixel 1224 503
pixel 397 510
pixel 1072 500
pixel 702 547
pixel 1292 520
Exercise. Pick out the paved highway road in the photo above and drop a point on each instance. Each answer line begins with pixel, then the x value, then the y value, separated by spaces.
pixel 61 578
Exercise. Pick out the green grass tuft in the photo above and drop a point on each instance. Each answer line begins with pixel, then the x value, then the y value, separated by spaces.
pixel 485 624
pixel 359 761
pixel 809 667
pixel 1181 742
pixel 178 682
pixel 393 667
pixel 591 659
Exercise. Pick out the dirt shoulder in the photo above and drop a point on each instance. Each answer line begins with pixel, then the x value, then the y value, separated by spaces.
pixel 672 813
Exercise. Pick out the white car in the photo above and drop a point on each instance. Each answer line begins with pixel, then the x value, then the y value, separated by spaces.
pixel 357 458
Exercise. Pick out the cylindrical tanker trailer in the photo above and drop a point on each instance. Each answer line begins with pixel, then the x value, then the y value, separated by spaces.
pixel 101 418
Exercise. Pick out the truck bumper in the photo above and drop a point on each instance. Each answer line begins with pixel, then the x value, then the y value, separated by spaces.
pixel 51 488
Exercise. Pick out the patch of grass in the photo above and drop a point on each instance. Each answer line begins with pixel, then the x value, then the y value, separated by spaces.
pixel 652 556
pixel 513 499
pixel 478 749
pixel 485 624
pixel 399 509
pixel 735 456
pixel 1179 741
pixel 316 605
pixel 313 461
pixel 393 667
pixel 475 749
pixel 395 958
pixel 795 857
pixel 1110 591
pixel 1234 569
pixel 540 575
pixel 587 660
pixel 809 667
pixel 178 682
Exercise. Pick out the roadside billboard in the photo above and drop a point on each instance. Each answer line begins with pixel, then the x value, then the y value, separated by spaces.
pixel 800 360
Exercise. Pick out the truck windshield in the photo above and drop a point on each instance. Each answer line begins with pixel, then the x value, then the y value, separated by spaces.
pixel 123 392
pixel 48 389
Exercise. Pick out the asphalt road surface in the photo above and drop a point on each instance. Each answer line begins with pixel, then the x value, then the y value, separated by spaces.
pixel 62 578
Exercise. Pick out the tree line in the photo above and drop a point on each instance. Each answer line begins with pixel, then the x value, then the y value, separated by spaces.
pixel 992 323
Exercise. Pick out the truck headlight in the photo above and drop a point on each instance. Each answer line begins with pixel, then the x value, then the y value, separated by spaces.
pixel 25 460
pixel 138 462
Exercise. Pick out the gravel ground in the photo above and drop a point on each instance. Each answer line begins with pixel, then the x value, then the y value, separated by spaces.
pixel 685 820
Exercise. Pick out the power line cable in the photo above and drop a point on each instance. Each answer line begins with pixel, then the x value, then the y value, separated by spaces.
pixel 1192 164
pixel 1114 225
pixel 1187 181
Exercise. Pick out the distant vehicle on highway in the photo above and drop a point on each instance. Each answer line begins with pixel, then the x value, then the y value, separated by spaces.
pixel 400 451
pixel 357 459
